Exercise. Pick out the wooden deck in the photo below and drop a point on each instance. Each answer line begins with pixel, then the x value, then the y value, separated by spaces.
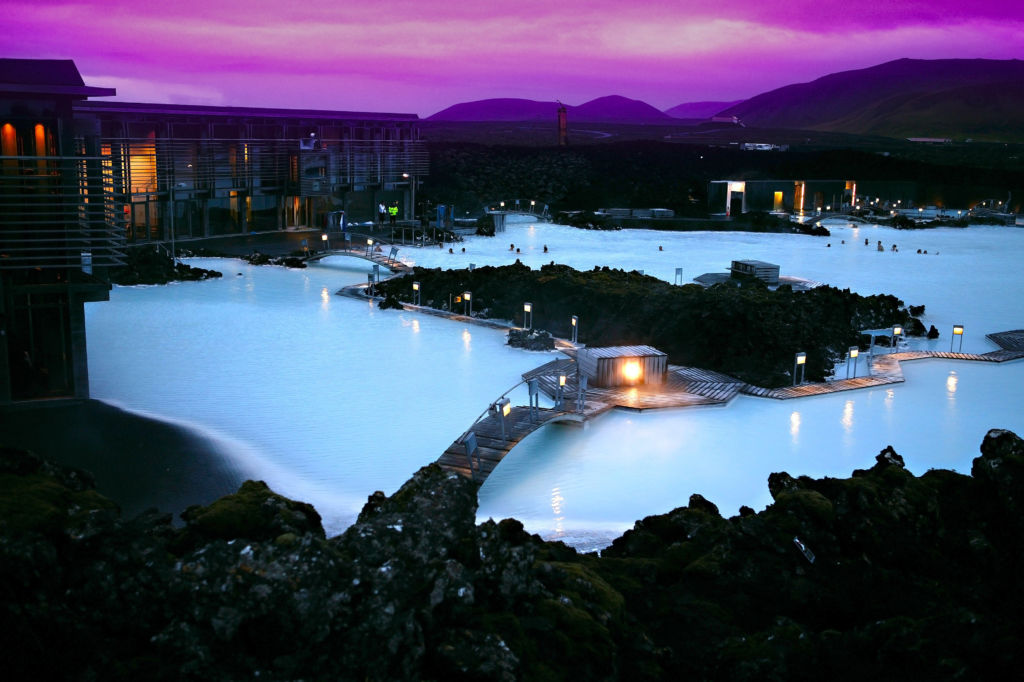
pixel 1012 340
pixel 883 369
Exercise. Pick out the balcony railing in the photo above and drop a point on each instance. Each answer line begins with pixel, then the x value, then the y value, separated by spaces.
pixel 59 212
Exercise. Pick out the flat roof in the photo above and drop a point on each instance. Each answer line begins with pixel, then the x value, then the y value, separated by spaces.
pixel 622 351
pixel 46 77
pixel 235 112
pixel 757 263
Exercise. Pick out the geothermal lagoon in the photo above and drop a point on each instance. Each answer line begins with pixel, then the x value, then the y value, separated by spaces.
pixel 328 399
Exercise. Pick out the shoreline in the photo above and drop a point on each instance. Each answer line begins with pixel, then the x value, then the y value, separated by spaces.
pixel 137 461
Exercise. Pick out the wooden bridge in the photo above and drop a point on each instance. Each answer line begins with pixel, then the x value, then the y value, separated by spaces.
pixel 383 257
pixel 683 387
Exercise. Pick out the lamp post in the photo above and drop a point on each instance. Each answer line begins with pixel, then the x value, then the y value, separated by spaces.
pixel 854 352
pixel 369 247
pixel 798 363
pixel 897 332
pixel 502 408
pixel 958 330
pixel 575 321
pixel 416 292
pixel 533 206
pixel 528 315
pixel 326 241
pixel 560 396
pixel 467 302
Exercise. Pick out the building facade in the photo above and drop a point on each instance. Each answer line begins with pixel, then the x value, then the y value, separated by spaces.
pixel 199 171
pixel 83 179
pixel 61 226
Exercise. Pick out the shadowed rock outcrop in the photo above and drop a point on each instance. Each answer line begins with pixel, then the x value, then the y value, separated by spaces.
pixel 882 575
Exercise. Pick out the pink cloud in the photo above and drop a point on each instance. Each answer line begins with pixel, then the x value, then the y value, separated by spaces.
pixel 423 55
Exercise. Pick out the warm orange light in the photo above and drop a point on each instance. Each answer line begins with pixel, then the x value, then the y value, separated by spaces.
pixel 631 370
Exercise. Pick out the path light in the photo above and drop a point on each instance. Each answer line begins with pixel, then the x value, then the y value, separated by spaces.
pixel 854 352
pixel 467 299
pixel 503 204
pixel 560 396
pixel 324 239
pixel 897 332
pixel 575 321
pixel 801 359
pixel 958 330
pixel 369 246
pixel 416 292
pixel 528 315
pixel 502 408
pixel 533 206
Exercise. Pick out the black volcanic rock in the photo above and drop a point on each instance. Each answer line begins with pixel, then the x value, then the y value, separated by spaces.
pixel 883 575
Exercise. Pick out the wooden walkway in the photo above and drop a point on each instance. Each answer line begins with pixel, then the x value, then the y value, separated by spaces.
pixel 380 258
pixel 491 446
pixel 684 387
pixel 883 369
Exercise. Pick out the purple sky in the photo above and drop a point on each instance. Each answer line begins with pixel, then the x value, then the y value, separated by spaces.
pixel 420 56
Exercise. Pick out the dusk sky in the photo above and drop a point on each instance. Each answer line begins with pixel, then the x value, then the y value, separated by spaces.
pixel 420 56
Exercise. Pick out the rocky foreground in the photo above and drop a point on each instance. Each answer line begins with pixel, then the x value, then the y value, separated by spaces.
pixel 884 575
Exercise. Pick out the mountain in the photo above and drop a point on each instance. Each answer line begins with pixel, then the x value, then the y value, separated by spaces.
pixel 954 98
pixel 612 108
pixel 700 109
pixel 504 109
pixel 616 108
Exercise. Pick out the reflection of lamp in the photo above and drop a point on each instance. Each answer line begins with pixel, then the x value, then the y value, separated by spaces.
pixel 528 315
pixel 631 371
pixel 801 359
pixel 958 330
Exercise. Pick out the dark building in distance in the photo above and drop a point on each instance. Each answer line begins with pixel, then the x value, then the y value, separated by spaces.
pixel 734 197
pixel 82 179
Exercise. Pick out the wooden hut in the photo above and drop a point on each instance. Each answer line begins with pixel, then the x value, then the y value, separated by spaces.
pixel 766 272
pixel 622 365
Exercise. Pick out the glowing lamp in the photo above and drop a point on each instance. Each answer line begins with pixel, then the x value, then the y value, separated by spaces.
pixel 323 237
pixel 415 286
pixel 897 330
pixel 369 242
pixel 631 370
pixel 468 295
pixel 506 408
pixel 561 380
pixel 854 352
pixel 958 329
pixel 801 358
pixel 527 307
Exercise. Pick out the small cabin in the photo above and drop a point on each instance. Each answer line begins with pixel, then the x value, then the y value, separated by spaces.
pixel 766 272
pixel 622 365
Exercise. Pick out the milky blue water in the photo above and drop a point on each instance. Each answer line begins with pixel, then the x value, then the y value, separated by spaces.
pixel 328 399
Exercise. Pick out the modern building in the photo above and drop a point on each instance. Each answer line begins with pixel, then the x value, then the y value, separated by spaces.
pixel 200 171
pixel 734 197
pixel 61 226
pixel 81 179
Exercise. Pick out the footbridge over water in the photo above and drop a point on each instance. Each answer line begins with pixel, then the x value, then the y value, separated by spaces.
pixel 817 218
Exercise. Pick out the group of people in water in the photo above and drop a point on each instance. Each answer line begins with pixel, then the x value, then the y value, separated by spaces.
pixel 880 247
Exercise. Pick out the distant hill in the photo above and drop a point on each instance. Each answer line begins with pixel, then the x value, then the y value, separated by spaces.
pixel 505 109
pixel 700 109
pixel 613 108
pixel 953 98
